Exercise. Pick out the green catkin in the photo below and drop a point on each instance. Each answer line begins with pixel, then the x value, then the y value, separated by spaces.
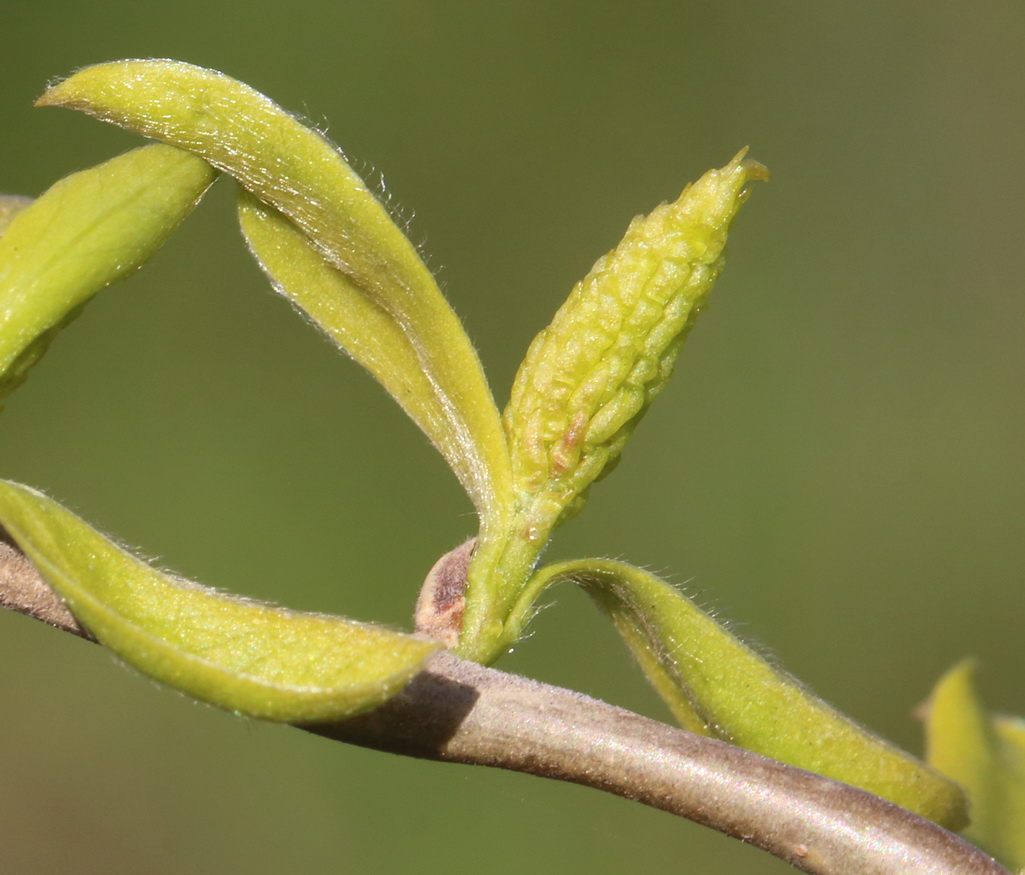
pixel 10 206
pixel 589 377
pixel 587 380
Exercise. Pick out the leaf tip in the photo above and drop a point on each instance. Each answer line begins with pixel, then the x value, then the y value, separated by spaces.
pixel 58 92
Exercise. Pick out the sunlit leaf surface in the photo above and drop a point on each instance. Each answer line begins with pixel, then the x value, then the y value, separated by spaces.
pixel 247 657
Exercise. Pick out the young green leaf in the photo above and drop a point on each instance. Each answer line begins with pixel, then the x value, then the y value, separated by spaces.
pixel 301 174
pixel 589 377
pixel 247 657
pixel 343 311
pixel 985 753
pixel 88 230
pixel 716 685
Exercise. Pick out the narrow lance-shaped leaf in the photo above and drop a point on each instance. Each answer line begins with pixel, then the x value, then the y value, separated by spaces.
pixel 716 685
pixel 985 754
pixel 300 173
pixel 589 377
pixel 88 230
pixel 337 305
pixel 247 657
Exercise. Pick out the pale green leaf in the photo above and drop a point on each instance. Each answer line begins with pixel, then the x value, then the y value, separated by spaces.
pixel 985 753
pixel 716 685
pixel 296 170
pixel 338 306
pixel 247 657
pixel 88 230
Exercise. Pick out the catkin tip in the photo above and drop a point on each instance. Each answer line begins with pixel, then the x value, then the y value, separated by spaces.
pixel 749 171
pixel 752 169
pixel 756 171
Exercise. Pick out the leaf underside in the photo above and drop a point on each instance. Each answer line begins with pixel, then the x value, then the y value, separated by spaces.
pixel 716 685
pixel 297 171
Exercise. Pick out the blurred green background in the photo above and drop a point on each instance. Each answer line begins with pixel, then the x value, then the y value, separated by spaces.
pixel 837 468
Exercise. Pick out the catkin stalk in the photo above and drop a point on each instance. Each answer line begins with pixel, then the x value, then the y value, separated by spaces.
pixel 587 380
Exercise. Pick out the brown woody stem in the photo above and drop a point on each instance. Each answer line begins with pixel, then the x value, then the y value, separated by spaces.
pixel 457 711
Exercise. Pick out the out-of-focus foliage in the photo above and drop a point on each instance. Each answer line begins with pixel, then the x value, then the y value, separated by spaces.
pixel 985 753
pixel 87 231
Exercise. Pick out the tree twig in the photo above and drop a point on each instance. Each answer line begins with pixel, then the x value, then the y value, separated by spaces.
pixel 457 711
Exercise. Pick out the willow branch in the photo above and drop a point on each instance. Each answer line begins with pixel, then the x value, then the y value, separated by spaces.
pixel 457 711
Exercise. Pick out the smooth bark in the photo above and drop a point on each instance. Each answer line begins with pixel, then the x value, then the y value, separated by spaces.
pixel 458 711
